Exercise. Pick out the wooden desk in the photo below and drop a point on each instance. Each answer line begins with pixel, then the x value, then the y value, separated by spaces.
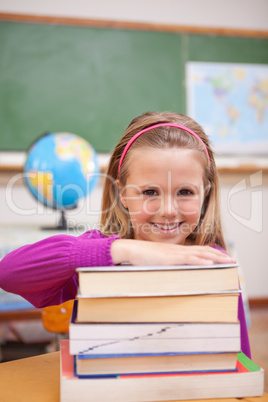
pixel 37 379
pixel 31 314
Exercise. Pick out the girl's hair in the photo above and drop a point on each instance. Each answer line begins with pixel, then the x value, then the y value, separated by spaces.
pixel 115 218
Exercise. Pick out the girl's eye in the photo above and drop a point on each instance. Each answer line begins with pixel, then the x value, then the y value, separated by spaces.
pixel 150 193
pixel 185 192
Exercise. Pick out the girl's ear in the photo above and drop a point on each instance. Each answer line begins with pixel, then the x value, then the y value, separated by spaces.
pixel 121 193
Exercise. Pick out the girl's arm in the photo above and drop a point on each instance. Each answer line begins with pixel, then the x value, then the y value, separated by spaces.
pixel 137 252
pixel 44 273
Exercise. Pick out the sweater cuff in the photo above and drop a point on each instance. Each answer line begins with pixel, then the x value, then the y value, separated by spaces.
pixel 93 252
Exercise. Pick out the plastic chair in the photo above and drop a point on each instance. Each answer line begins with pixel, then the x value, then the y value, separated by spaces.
pixel 57 319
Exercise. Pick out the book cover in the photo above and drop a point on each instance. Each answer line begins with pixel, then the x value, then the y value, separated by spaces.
pixel 123 364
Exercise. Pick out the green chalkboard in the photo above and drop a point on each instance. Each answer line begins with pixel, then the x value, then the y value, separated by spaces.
pixel 93 81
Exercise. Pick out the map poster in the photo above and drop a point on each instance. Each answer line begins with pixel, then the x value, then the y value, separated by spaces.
pixel 230 101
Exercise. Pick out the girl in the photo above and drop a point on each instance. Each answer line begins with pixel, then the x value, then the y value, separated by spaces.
pixel 160 207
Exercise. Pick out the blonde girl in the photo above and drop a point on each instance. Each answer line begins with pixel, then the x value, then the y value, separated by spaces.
pixel 160 207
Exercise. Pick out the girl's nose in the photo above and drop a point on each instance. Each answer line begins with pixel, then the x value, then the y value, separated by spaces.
pixel 169 207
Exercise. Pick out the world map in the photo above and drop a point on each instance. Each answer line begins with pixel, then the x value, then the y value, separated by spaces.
pixel 230 101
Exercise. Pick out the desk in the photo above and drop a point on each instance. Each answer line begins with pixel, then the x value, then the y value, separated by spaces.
pixel 31 314
pixel 24 326
pixel 37 379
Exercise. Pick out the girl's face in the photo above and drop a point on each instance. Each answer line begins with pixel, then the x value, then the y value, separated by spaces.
pixel 164 194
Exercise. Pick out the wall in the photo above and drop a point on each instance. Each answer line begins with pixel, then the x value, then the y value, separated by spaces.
pixel 242 14
pixel 244 207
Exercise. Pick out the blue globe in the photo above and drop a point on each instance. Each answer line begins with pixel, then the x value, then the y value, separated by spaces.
pixel 61 169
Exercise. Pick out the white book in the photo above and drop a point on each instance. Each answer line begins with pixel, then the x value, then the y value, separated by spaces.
pixel 86 338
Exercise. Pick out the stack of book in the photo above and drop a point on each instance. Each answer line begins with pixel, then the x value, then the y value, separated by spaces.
pixel 155 334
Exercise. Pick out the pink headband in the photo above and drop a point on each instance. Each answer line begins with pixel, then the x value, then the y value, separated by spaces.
pixel 130 142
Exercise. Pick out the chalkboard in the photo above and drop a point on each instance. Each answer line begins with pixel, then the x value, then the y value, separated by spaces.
pixel 92 81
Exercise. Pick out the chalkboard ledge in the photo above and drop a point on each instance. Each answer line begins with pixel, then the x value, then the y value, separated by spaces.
pixel 12 162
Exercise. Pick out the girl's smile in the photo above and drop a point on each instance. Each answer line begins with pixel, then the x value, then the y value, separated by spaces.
pixel 164 194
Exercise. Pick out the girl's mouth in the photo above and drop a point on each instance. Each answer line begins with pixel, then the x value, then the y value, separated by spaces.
pixel 167 227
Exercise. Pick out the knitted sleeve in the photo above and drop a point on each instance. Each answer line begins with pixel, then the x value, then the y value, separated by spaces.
pixel 44 272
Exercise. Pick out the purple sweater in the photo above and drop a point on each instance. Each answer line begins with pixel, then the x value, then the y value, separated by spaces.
pixel 44 272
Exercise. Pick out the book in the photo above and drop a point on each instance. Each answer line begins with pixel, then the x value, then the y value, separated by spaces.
pixel 111 364
pixel 88 338
pixel 127 280
pixel 246 381
pixel 219 307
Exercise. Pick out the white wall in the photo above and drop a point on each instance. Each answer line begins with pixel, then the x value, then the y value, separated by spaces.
pixel 18 208
pixel 244 14
pixel 245 210
pixel 244 206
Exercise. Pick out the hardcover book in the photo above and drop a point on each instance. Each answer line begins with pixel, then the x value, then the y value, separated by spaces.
pixel 128 280
pixel 219 307
pixel 111 364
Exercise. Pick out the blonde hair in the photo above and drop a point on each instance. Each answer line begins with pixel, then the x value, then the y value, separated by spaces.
pixel 115 218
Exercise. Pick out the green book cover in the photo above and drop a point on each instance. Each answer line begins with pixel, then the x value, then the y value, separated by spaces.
pixel 246 362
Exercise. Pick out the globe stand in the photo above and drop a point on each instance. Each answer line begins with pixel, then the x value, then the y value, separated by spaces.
pixel 62 225
pixel 62 222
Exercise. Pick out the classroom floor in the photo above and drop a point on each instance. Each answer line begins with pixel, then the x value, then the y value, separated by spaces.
pixel 258 335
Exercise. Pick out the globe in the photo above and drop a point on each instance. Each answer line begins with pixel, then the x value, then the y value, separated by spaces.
pixel 61 169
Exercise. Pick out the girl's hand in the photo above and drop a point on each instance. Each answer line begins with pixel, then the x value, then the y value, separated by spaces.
pixel 138 252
